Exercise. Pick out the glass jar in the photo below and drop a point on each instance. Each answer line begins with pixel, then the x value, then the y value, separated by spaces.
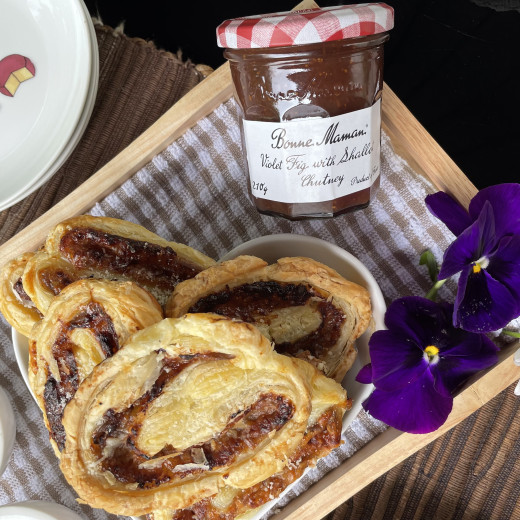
pixel 310 101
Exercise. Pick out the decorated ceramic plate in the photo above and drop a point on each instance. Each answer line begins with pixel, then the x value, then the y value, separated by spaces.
pixel 38 181
pixel 46 60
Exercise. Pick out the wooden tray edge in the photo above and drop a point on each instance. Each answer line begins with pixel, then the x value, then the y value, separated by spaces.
pixel 422 152
pixel 412 141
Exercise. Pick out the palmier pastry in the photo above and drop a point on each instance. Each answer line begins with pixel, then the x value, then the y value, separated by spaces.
pixel 323 434
pixel 87 322
pixel 185 408
pixel 108 248
pixel 306 308
pixel 16 306
pixel 45 276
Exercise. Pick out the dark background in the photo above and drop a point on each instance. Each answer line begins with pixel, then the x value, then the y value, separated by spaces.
pixel 454 63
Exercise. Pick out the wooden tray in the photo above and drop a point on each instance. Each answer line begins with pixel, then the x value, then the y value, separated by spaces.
pixel 425 156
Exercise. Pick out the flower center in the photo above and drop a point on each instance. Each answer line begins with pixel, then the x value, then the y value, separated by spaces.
pixel 433 353
pixel 480 264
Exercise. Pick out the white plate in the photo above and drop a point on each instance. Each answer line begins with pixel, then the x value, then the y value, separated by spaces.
pixel 37 510
pixel 7 430
pixel 21 353
pixel 80 127
pixel 37 123
pixel 271 248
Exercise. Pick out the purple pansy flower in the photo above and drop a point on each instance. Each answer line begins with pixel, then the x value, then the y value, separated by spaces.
pixel 486 253
pixel 419 362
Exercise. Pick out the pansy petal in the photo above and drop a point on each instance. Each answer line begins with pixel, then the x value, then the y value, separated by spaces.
pixel 396 361
pixel 417 318
pixel 505 200
pixel 504 265
pixel 365 374
pixel 416 408
pixel 483 304
pixel 476 241
pixel 468 344
pixel 451 372
pixel 449 211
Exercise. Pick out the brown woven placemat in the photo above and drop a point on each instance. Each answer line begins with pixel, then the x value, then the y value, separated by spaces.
pixel 469 473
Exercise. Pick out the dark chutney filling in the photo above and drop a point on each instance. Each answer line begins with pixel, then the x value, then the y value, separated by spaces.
pixel 245 430
pixel 253 301
pixel 55 279
pixel 318 441
pixel 22 295
pixel 143 262
pixel 57 394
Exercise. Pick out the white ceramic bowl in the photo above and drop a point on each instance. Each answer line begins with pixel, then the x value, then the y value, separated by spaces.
pixel 7 430
pixel 21 353
pixel 272 247
pixel 37 510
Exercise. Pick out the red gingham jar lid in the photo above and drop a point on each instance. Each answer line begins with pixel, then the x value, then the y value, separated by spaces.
pixel 306 26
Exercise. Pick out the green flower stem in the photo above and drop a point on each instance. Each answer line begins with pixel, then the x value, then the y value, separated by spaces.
pixel 511 333
pixel 432 293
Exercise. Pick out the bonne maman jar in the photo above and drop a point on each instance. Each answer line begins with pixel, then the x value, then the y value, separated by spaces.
pixel 309 86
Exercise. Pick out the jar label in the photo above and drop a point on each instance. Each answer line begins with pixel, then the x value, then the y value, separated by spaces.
pixel 314 159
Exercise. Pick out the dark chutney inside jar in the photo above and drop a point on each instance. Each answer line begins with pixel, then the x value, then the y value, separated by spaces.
pixel 322 79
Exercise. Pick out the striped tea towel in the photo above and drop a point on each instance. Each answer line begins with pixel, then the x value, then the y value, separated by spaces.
pixel 195 192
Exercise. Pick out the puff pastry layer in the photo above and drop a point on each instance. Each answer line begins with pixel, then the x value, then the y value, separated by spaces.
pixel 108 248
pixel 306 308
pixel 86 323
pixel 15 304
pixel 188 407
pixel 323 433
